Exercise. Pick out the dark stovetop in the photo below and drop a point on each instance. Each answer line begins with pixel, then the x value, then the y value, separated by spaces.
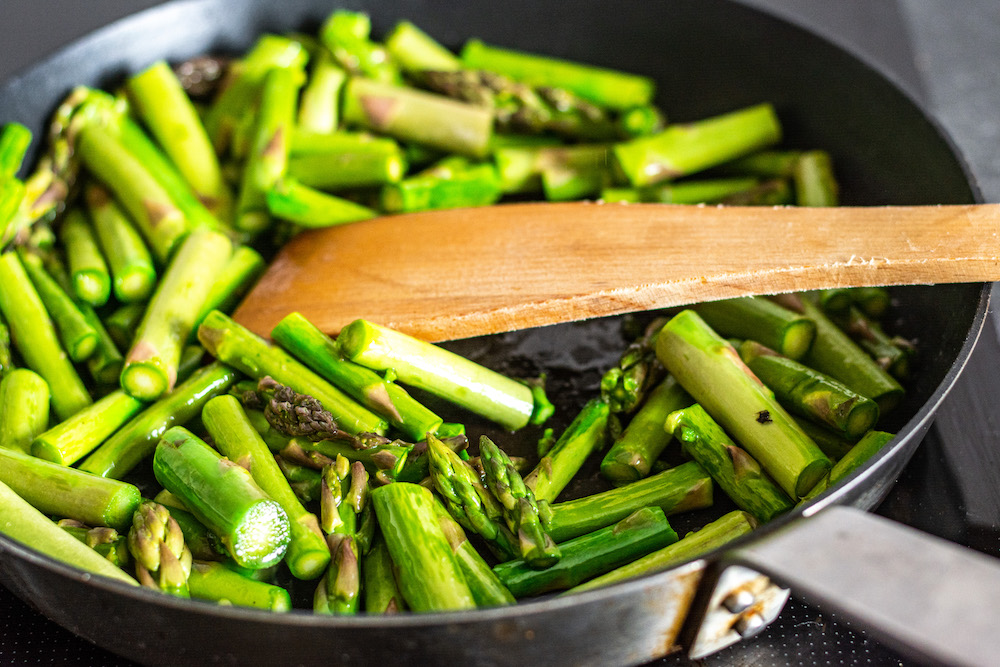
pixel 951 488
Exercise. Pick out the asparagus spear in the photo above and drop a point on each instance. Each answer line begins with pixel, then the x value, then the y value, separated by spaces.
pixel 105 541
pixel 438 371
pixel 625 385
pixel 6 357
pixel 683 149
pixel 711 371
pixel 468 500
pixel 14 141
pixel 233 344
pixel 78 338
pixel 430 576
pixel 810 393
pixel 633 452
pixel 218 583
pixel 581 438
pixel 453 182
pixel 604 87
pixel 291 414
pixel 380 590
pixel 702 191
pixel 235 438
pixel 344 493
pixel 346 34
pixel 137 439
pixel 487 589
pixel 344 160
pixel 315 349
pixel 735 471
pixel 268 158
pixel 70 440
pixel 319 108
pixel 66 492
pixel 223 496
pixel 150 368
pixel 24 409
pixel 36 340
pixel 242 270
pixel 310 208
pixel 723 530
pixel 415 51
pixel 168 112
pixel 162 560
pixel 91 280
pixel 412 115
pixel 873 301
pixel 893 354
pixel 867 446
pixel 417 465
pixel 519 507
pixel 27 525
pixel 382 458
pixel 682 489
pixel 202 542
pixel 756 318
pixel 589 555
pixel 815 184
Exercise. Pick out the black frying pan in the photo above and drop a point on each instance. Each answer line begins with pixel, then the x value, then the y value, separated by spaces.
pixel 707 57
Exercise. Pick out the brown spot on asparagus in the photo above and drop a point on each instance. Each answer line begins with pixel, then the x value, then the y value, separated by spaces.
pixel 379 110
pixel 158 212
pixel 141 351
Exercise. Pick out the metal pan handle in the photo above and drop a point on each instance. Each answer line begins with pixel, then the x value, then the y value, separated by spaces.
pixel 925 596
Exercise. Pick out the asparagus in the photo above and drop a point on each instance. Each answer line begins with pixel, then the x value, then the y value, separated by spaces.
pixel 310 208
pixel 304 481
pixel 70 440
pixel 418 461
pixel 344 494
pixel 122 323
pixel 233 344
pixel 581 438
pixel 430 576
pixel 315 349
pixel 810 393
pixel 246 77
pixel 468 501
pixel 157 216
pixel 203 543
pixel 346 35
pixel 632 455
pixel 683 149
pixel 383 458
pixel 737 473
pixel 344 160
pixel 682 489
pixel 162 560
pixel 150 368
pixel 454 182
pixel 773 192
pixel 137 439
pixel 235 438
pixel 66 492
pixel 892 354
pixel 487 589
pixel 523 168
pixel 78 338
pixel 438 371
pixel 415 51
pixel 711 371
pixel 873 301
pixel 291 414
pixel 589 555
pixel 723 530
pixel 14 141
pixel 24 409
pixel 702 191
pixel 380 590
pixel 871 443
pixel 412 115
pixel 520 509
pixel 6 357
pixel 815 184
pixel 766 164
pixel 268 158
pixel 319 108
pixel 27 525
pixel 105 541
pixel 222 495
pixel 834 445
pixel 835 354
pixel 218 583
pixel 242 270
pixel 604 87
pixel 91 280
pixel 641 121
pixel 625 385
pixel 756 318
pixel 166 109
pixel 35 338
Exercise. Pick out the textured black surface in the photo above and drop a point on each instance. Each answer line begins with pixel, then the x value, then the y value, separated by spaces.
pixel 928 496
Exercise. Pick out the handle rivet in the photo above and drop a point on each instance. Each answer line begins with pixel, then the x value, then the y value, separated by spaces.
pixel 738 602
pixel 749 624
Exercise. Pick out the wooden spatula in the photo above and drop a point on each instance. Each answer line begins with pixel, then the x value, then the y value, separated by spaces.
pixel 452 274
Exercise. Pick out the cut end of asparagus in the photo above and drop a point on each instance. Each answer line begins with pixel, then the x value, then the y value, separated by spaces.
pixel 145 382
pixel 797 338
pixel 263 536
pixel 810 477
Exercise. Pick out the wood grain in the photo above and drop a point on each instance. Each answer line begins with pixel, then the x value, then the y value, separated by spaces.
pixel 452 274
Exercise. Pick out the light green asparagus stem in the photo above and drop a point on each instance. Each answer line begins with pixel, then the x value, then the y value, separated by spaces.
pixel 36 339
pixel 762 320
pixel 132 270
pixel 815 184
pixel 319 109
pixel 89 271
pixel 454 182
pixel 309 208
pixel 151 365
pixel 242 270
pixel 24 408
pixel 871 443
pixel 218 583
pixel 162 560
pixel 584 436
pixel 486 587
pixel 438 371
pixel 24 523
pixel 235 438
pixel 381 593
pixel 416 51
pixel 78 338
pixel 70 440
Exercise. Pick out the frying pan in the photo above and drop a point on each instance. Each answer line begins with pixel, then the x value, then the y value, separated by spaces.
pixel 707 57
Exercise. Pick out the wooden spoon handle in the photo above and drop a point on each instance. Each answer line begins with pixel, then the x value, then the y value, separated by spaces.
pixel 452 274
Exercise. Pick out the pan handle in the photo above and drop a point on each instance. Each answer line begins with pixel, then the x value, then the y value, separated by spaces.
pixel 927 597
